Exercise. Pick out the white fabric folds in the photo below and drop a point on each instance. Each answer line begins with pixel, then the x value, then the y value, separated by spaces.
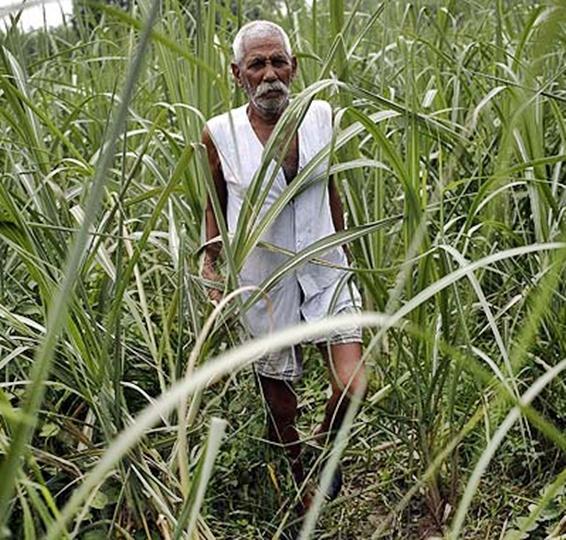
pixel 303 221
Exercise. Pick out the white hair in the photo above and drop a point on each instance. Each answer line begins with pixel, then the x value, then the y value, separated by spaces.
pixel 258 29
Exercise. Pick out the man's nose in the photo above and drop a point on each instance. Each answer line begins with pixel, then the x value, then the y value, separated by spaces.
pixel 269 75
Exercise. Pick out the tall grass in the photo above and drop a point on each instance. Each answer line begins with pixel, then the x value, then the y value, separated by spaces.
pixel 449 150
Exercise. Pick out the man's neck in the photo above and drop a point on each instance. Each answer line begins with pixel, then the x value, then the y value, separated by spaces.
pixel 258 116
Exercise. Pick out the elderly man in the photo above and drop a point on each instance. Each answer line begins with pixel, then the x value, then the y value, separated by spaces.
pixel 265 67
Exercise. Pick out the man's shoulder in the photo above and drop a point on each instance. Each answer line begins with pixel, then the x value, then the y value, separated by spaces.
pixel 224 119
pixel 320 114
pixel 321 105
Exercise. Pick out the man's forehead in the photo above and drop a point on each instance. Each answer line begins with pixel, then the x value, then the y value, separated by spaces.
pixel 264 46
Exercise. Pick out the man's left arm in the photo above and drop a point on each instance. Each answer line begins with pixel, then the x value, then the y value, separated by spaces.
pixel 337 211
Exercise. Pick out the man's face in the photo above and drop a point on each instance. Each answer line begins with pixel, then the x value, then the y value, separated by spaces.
pixel 265 73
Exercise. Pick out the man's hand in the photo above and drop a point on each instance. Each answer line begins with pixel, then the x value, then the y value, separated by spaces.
pixel 348 253
pixel 209 273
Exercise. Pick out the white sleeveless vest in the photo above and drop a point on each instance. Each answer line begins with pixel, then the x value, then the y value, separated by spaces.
pixel 304 221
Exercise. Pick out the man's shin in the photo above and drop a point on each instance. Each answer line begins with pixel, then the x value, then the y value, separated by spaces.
pixel 335 411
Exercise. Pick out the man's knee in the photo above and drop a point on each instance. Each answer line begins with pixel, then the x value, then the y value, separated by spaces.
pixel 349 372
pixel 281 401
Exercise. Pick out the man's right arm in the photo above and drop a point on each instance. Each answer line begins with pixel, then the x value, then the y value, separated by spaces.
pixel 212 250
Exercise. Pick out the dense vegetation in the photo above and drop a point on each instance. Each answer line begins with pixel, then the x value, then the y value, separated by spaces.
pixel 450 149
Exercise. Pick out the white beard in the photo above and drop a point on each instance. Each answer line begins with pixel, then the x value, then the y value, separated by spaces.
pixel 268 105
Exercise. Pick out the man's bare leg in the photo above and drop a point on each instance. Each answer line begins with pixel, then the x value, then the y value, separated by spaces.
pixel 347 378
pixel 282 411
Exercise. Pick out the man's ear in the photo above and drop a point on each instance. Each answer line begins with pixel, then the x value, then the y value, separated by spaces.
pixel 294 67
pixel 236 73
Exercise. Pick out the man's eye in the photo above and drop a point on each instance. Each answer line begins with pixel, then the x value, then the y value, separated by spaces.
pixel 256 65
pixel 279 62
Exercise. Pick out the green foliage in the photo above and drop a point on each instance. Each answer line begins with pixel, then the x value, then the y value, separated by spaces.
pixel 449 150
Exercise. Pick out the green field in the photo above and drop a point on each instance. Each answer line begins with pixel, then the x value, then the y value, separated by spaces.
pixel 128 407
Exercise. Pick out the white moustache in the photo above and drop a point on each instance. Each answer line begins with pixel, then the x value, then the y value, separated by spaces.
pixel 266 87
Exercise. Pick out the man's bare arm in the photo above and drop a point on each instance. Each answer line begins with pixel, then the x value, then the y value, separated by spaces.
pixel 212 250
pixel 337 212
